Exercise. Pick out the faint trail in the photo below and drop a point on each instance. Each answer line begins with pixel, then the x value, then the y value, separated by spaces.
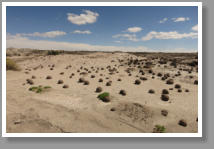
pixel 124 122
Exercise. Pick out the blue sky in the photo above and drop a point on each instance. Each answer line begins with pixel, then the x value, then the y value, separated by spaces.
pixel 148 28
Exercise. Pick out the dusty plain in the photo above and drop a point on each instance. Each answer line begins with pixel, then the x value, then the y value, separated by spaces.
pixel 72 106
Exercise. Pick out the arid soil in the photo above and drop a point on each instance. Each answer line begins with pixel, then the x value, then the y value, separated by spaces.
pixel 157 89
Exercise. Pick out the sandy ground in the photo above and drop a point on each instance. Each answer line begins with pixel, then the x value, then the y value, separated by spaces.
pixel 77 109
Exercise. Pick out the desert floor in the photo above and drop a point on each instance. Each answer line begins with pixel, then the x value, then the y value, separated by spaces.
pixel 76 109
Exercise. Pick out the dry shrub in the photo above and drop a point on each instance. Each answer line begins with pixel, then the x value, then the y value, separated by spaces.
pixel 11 65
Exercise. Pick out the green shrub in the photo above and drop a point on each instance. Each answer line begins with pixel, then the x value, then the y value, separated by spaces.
pixel 39 89
pixel 33 88
pixel 159 129
pixel 46 87
pixel 103 95
pixel 54 52
pixel 11 65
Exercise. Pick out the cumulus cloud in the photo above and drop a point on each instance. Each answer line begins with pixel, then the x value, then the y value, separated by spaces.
pixel 51 34
pixel 163 20
pixel 169 35
pixel 195 28
pixel 134 29
pixel 87 17
pixel 81 32
pixel 180 19
pixel 18 41
pixel 131 37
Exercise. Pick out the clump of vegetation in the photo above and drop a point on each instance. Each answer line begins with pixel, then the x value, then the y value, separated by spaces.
pixel 159 129
pixel 164 97
pixel 60 82
pixel 177 86
pixel 65 86
pixel 11 65
pixel 113 109
pixel 46 87
pixel 104 97
pixel 54 52
pixel 170 81
pixel 151 91
pixel 122 92
pixel 81 80
pixel 165 91
pixel 29 81
pixel 100 80
pixel 182 123
pixel 164 112
pixel 48 77
pixel 86 82
pixel 196 82
pixel 99 89
pixel 108 83
pixel 39 89
pixel 137 82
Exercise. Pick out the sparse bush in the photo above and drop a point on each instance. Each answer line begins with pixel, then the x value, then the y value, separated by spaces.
pixel 119 79
pixel 143 78
pixel 182 123
pixel 164 112
pixel 99 89
pixel 151 91
pixel 29 81
pixel 86 82
pixel 48 77
pixel 108 83
pixel 170 81
pixel 54 52
pixel 100 80
pixel 104 97
pixel 11 65
pixel 137 82
pixel 60 82
pixel 113 109
pixel 39 89
pixel 177 86
pixel 186 90
pixel 65 86
pixel 122 92
pixel 179 90
pixel 81 80
pixel 159 129
pixel 33 77
pixel 46 87
pixel 164 97
pixel 165 91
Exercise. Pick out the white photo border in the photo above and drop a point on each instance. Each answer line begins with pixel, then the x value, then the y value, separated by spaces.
pixel 5 4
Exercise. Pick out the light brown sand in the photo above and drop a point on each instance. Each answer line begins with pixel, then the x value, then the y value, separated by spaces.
pixel 77 108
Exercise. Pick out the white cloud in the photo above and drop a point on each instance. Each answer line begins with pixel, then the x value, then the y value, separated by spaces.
pixel 169 35
pixel 51 34
pixel 18 41
pixel 195 28
pixel 81 32
pixel 131 37
pixel 118 41
pixel 180 19
pixel 134 29
pixel 163 20
pixel 88 17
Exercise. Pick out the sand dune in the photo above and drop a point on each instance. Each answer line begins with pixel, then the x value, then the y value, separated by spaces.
pixel 69 106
